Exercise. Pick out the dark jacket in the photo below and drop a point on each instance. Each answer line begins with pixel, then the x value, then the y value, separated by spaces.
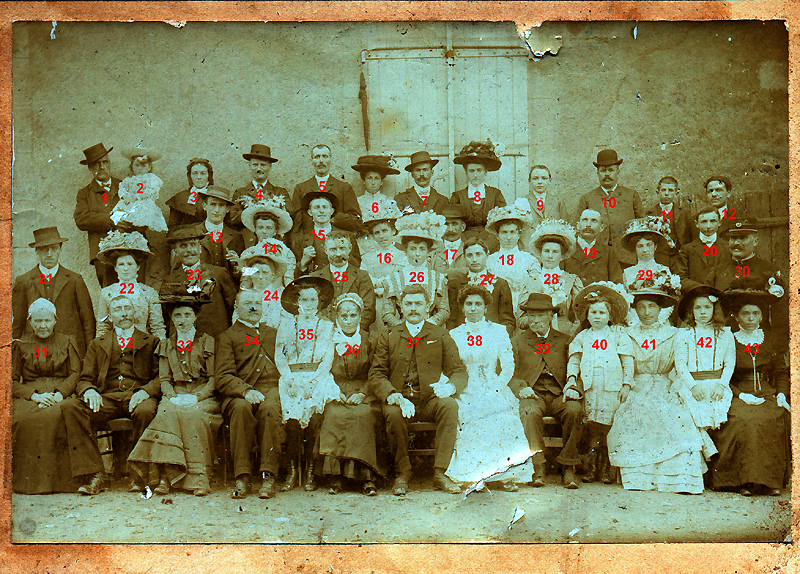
pixel 214 249
pixel 356 281
pixel 409 198
pixel 241 365
pixel 92 214
pixel 626 205
pixel 603 266
pixel 530 360
pixel 500 311
pixel 97 361
pixel 347 216
pixel 695 262
pixel 215 316
pixel 302 240
pixel 477 213
pixel 181 212
pixel 234 217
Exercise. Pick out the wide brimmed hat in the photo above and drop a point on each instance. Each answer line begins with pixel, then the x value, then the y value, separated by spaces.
pixel 315 194
pixel 426 225
pixel 259 151
pixel 264 250
pixel 420 157
pixel 538 302
pixel 518 211
pixel 556 230
pixel 619 301
pixel 132 153
pixel 453 211
pixel 700 291
pixel 218 192
pixel 292 290
pixel 184 232
pixel 652 225
pixel 479 152
pixel 95 153
pixel 268 205
pixel 385 210
pixel 663 286
pixel 46 236
pixel 382 164
pixel 133 243
pixel 737 227
pixel 607 157
pixel 762 290
pixel 172 295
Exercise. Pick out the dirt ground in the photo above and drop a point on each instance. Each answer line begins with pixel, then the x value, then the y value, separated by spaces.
pixel 594 513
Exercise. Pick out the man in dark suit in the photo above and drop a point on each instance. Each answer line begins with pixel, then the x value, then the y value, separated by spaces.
pixel 717 193
pixel 501 310
pixel 119 379
pixel 220 245
pixel 616 203
pixel 540 383
pixel 593 260
pixel 348 213
pixel 93 207
pixel 346 277
pixel 62 287
pixel 421 196
pixel 247 378
pixel 407 375
pixel 697 258
pixel 260 161
pixel 214 317
pixel 669 209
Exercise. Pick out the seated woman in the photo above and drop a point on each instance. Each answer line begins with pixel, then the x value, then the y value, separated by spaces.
pixel 126 252
pixel 304 356
pixel 45 369
pixel 179 441
pixel 350 424
pixel 643 237
pixel 490 434
pixel 373 170
pixel 753 444
pixel 264 271
pixel 653 439
pixel 183 207
pixel 267 222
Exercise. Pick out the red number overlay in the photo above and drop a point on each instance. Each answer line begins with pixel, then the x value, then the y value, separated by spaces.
pixel 271 295
pixel 140 188
pixel 248 341
pixel 751 348
pixel 216 236
pixel 474 340
pixel 665 214
pixel 193 274
pixel 642 275
pixel 729 213
pixel 270 248
pixel 592 253
pixel 710 251
pixel 340 276
pixel 609 201
pixel 128 286
pixel 184 345
pixel 704 342
pixel 322 186
pixel 542 349
pixel 600 344
pixel 416 277
pixel 375 207
pixel 450 257
pixel 125 343
pixel 742 271
pixel 487 279
pixel 385 257
pixel 320 235
pixel 351 349
pixel 507 260
pixel 307 334
pixel 540 205
pixel 551 278
pixel 477 197
pixel 412 342
pixel 42 278
pixel 651 344
pixel 40 351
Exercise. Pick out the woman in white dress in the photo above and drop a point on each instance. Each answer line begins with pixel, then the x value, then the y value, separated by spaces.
pixel 263 270
pixel 490 434
pixel 373 170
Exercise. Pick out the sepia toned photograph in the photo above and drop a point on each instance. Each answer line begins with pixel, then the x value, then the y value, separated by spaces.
pixel 400 282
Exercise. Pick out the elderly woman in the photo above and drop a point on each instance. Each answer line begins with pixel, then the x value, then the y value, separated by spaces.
pixel 264 271
pixel 45 369
pixel 126 252
pixel 350 424
pixel 180 439
pixel 183 208
pixel 753 450
pixel 373 170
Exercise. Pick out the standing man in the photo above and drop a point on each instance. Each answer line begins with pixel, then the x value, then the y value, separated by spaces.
pixel 543 204
pixel 260 161
pixel 718 195
pixel 221 245
pixel 593 260
pixel 421 196
pixel 618 204
pixel 348 213
pixel 670 210
pixel 697 258
pixel 93 207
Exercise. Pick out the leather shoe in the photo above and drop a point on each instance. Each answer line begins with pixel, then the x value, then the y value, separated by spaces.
pixel 774 492
pixel 291 477
pixel 201 492
pixel 335 486
pixel 242 488
pixel 569 479
pixel 163 486
pixel 267 489
pixel 744 491
pixel 94 486
pixel 538 477
pixel 135 487
pixel 400 487
pixel 442 482
pixel 369 488
pixel 311 482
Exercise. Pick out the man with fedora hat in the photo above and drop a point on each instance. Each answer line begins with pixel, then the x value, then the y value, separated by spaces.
pixel 421 196
pixel 62 287
pixel 617 203
pixel 260 161
pixel 540 374
pixel 193 273
pixel 94 204
pixel 348 212
pixel 451 255
pixel 221 245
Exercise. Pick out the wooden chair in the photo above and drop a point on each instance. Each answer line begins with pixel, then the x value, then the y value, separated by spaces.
pixel 119 432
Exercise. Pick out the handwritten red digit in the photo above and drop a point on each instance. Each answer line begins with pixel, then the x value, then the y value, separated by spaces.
pixel 710 251
pixel 351 349
pixel 385 257
pixel 140 188
pixel 609 202
pixel 340 276
pixel 507 259
pixel 412 342
pixel 592 253
pixel 542 349
pixel 250 341
pixel 551 278
pixel 42 278
pixel 306 334
pixel 742 271
pixel 601 344
pixel 40 351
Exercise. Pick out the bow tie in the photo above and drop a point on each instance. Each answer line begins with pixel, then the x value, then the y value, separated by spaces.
pixel 106 186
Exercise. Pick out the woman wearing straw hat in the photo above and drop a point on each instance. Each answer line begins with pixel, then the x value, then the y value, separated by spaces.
pixel 126 253
pixel 268 222
pixel 373 170
pixel 264 270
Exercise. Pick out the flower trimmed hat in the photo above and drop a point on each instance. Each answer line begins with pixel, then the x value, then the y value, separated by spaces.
pixel 652 226
pixel 612 293
pixel 518 211
pixel 663 287
pixel 426 225
pixel 555 230
pixel 132 243
pixel 479 152
pixel 272 204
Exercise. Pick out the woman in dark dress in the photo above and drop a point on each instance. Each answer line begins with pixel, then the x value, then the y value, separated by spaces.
pixel 183 208
pixel 349 426
pixel 46 367
pixel 753 444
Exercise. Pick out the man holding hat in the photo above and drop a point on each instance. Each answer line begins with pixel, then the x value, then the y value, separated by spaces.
pixel 348 214
pixel 62 287
pixel 260 161
pixel 220 245
pixel 616 203
pixel 540 374
pixel 421 196
pixel 93 207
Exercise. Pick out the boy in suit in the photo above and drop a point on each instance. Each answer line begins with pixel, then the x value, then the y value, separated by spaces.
pixel 697 258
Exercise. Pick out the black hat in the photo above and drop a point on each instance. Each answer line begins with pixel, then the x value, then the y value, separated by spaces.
pixel 479 152
pixel 538 302
pixel 292 290
pixel 420 157
pixel 453 211
pixel 738 227
pixel 259 151
pixel 46 236
pixel 95 153
pixel 722 178
pixel 184 232
pixel 699 291
pixel 312 195
pixel 607 157
pixel 377 163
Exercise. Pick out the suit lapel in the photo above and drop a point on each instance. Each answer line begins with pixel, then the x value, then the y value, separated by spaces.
pixel 34 278
pixel 58 282
pixel 105 345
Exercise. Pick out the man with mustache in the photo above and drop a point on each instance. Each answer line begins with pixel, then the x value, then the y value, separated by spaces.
pixel 593 260
pixel 718 195
pixel 617 203
pixel 260 161
pixel 421 196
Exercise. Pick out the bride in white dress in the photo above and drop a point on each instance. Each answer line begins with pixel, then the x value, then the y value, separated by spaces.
pixel 490 434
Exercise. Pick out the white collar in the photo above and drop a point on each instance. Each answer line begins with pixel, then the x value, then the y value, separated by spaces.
pixel 127 333
pixel 666 206
pixel 214 227
pixel 504 251
pixel 341 341
pixel 327 228
pixel 415 329
pixel 187 336
pixel 535 334
pixel 723 210
pixel 319 179
pixel 481 188
pixel 651 264
pixel 47 272
pixel 585 244
pixel 757 337
pixel 476 326
pixel 539 196
pixel 194 267
pixel 423 191
pixel 256 185
pixel 609 190
pixel 339 269
pixel 708 239
pixel 106 185
pixel 453 244
pixel 251 325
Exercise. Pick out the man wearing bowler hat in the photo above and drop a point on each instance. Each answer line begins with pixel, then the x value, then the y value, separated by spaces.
pixel 93 207
pixel 617 203
pixel 421 196
pixel 62 287
pixel 221 245
pixel 260 161
pixel 348 214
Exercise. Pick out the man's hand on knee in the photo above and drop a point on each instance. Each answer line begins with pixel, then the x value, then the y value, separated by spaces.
pixel 137 398
pixel 92 398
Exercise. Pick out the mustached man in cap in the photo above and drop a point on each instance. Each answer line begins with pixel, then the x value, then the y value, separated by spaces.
pixel 94 204
pixel 260 161
pixel 62 287
pixel 616 203
pixel 421 196
pixel 348 213
pixel 221 245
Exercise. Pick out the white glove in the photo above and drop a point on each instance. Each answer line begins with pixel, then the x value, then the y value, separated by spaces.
pixel 750 399
pixel 782 402
pixel 184 400
pixel 407 408
pixel 443 390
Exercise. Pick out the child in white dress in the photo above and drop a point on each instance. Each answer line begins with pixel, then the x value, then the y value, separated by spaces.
pixel 137 196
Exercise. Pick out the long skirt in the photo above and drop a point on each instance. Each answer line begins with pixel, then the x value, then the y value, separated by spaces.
pixel 752 445
pixel 182 439
pixel 40 455
pixel 347 441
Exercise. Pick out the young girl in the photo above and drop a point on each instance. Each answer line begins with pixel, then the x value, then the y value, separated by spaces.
pixel 303 356
pixel 138 193
pixel 268 222
pixel 602 355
